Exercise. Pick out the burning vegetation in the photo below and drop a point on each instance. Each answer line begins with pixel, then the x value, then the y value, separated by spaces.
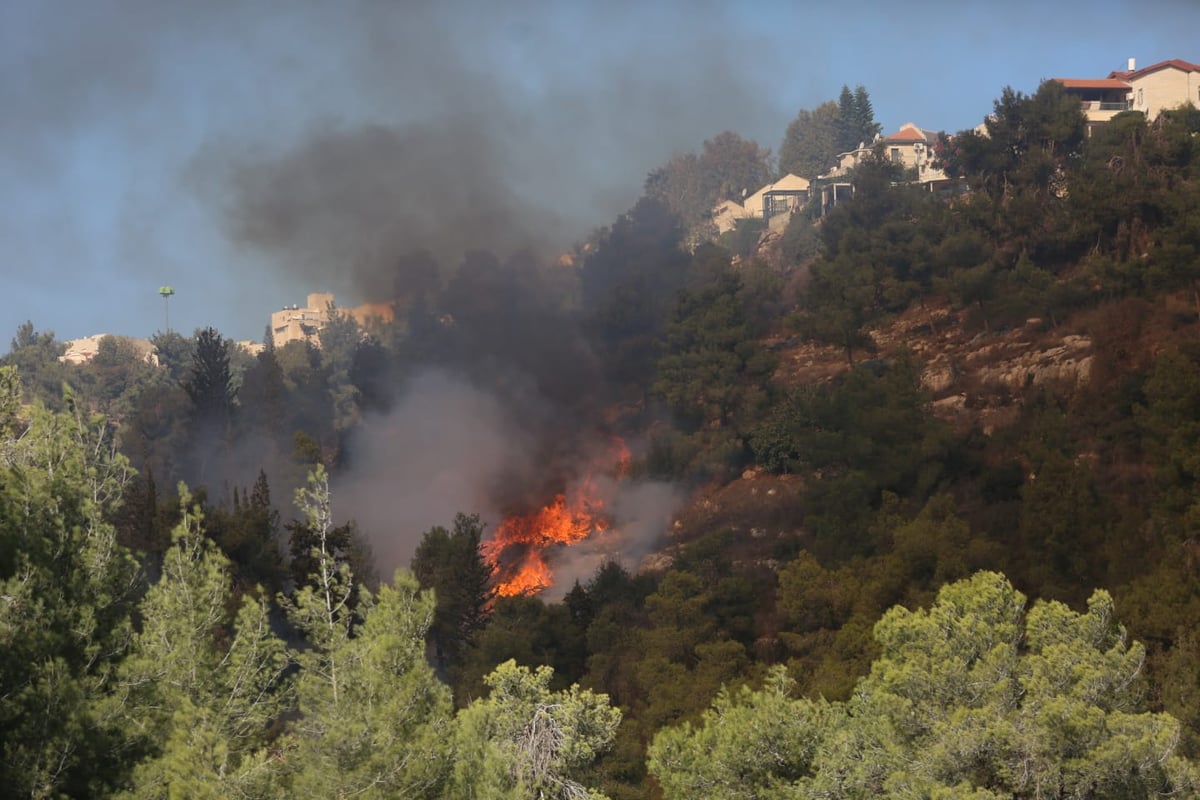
pixel 524 545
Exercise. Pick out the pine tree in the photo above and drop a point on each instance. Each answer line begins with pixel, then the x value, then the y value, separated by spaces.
pixel 209 384
pixel 526 741
pixel 864 122
pixel 206 683
pixel 847 128
pixel 374 719
pixel 67 592
pixel 451 564
pixel 976 697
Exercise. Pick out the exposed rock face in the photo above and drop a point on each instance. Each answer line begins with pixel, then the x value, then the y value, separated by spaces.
pixel 1069 361
pixel 938 376
pixel 974 378
pixel 1014 359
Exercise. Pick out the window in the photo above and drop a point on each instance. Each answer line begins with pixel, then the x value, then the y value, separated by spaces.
pixel 896 155
pixel 1140 98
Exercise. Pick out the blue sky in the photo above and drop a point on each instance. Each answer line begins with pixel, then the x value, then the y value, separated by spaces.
pixel 247 153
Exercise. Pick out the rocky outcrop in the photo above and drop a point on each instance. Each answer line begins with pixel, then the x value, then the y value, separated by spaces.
pixel 974 378
pixel 1013 359
pixel 1069 360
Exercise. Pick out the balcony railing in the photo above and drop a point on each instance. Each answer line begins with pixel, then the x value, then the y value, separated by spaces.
pixel 1105 105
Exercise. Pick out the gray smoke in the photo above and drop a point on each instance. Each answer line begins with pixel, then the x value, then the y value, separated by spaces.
pixel 250 152
pixel 641 512
pixel 316 143
pixel 450 446
pixel 439 452
pixel 501 127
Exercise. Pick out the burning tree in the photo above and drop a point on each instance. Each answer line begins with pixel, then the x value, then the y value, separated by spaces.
pixel 521 545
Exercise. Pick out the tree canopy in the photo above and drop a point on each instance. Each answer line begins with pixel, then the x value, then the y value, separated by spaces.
pixel 728 167
pixel 162 641
pixel 977 696
pixel 816 136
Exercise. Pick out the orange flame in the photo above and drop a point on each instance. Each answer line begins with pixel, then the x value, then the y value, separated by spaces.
pixel 518 549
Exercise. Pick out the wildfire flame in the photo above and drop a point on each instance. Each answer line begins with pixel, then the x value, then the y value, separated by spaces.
pixel 520 544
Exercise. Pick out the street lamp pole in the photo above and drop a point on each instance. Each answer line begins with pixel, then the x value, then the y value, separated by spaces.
pixel 166 292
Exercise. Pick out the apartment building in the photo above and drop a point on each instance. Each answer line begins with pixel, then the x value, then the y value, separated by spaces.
pixel 295 324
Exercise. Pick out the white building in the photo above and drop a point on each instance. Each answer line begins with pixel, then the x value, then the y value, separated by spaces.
pixel 775 203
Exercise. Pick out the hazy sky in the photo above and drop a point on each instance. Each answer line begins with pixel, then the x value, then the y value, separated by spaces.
pixel 248 153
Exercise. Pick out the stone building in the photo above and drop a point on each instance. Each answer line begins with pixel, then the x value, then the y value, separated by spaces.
pixel 296 324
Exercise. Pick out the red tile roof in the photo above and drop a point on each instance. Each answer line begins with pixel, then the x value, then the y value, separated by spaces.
pixel 909 133
pixel 1092 83
pixel 1177 63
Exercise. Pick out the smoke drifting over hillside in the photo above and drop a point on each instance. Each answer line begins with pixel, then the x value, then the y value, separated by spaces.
pixel 249 152
pixel 437 454
pixel 324 142
pixel 450 446
pixel 458 161
pixel 482 126
pixel 358 199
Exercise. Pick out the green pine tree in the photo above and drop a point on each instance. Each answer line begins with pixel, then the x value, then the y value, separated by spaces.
pixel 374 720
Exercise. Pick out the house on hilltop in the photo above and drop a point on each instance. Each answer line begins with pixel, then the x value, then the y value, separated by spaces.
pixel 725 215
pixel 777 201
pixel 910 148
pixel 1161 86
pixel 847 161
pixel 774 203
pixel 1101 98
pixel 1150 90
pixel 82 351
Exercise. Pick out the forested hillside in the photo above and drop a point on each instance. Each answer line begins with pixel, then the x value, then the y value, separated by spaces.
pixel 900 570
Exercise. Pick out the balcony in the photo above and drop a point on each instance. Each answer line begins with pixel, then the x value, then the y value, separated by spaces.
pixel 1103 110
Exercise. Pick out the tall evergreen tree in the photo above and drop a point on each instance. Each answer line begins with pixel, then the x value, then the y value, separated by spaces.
pixel 66 598
pixel 857 117
pixel 451 564
pixel 209 384
pixel 206 679
pixel 210 389
pixel 263 398
pixel 375 721
pixel 847 134
pixel 340 339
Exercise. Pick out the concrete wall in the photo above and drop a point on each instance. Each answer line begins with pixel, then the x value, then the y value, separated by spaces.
pixel 1169 87
pixel 726 215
